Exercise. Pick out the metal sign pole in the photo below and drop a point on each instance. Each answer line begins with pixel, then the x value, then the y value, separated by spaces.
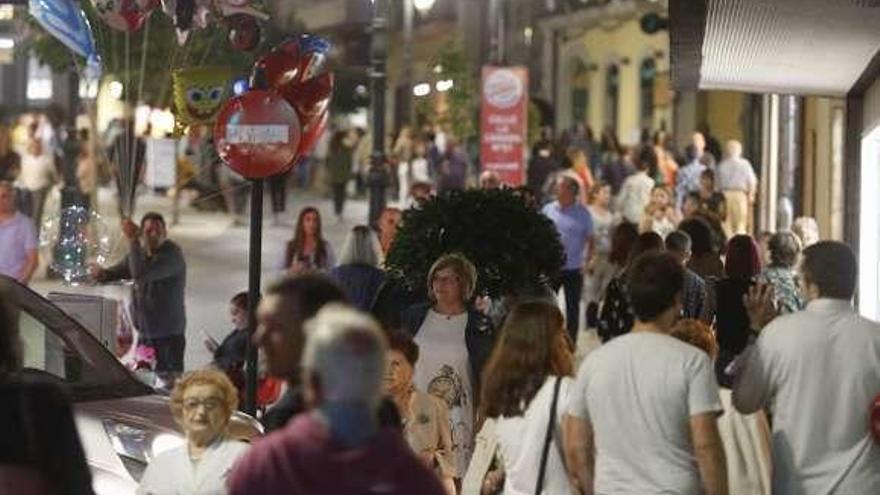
pixel 254 268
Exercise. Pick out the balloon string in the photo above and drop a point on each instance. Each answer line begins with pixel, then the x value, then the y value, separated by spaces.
pixel 144 46
pixel 209 48
pixel 128 203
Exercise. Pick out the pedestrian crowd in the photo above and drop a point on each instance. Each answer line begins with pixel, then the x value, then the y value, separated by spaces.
pixel 728 364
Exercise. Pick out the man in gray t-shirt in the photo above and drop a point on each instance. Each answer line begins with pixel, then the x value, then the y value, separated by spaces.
pixel 641 417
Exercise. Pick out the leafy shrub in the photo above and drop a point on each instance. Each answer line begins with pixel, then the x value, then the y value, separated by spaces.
pixel 513 246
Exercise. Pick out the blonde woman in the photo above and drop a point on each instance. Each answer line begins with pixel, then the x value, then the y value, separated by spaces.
pixel 456 340
pixel 202 403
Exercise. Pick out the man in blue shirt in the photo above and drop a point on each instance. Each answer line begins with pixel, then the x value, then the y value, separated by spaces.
pixel 575 227
pixel 688 177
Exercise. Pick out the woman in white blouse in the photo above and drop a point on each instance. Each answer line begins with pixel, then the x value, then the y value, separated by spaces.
pixel 202 403
pixel 525 388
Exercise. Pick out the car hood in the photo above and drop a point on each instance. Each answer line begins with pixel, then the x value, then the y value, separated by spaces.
pixel 153 412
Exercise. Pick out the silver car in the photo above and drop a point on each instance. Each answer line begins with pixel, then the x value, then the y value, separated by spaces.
pixel 122 423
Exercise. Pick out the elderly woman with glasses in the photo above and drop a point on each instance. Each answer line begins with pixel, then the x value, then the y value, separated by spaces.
pixel 456 341
pixel 202 403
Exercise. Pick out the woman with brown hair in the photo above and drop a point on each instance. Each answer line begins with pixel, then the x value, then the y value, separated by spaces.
pixel 308 250
pixel 425 417
pixel 525 387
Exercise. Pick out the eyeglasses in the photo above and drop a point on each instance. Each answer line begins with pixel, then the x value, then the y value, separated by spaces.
pixel 449 279
pixel 210 404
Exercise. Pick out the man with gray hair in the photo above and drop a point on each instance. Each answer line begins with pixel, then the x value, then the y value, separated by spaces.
pixel 678 244
pixel 339 447
pixel 736 179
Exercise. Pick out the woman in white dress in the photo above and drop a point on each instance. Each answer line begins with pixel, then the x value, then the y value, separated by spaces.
pixel 525 389
pixel 202 403
pixel 455 341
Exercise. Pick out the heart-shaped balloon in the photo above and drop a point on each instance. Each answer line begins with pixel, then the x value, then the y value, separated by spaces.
pixel 258 134
pixel 296 69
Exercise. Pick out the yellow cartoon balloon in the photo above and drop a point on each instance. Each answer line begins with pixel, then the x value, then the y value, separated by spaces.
pixel 199 92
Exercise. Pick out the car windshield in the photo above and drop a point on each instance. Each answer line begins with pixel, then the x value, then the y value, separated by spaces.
pixel 56 347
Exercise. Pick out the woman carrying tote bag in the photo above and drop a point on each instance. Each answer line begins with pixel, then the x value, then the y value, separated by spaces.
pixel 525 387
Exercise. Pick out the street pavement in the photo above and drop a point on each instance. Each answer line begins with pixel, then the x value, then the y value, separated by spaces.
pixel 216 252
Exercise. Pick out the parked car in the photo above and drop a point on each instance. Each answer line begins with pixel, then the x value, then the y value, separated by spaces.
pixel 122 422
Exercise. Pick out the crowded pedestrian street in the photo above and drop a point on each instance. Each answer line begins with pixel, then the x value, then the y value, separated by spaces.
pixel 440 247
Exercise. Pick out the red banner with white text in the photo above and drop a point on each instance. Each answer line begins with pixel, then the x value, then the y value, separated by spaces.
pixel 504 122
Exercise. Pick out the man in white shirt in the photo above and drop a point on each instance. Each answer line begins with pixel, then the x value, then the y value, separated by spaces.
pixel 817 372
pixel 736 179
pixel 641 417
pixel 635 194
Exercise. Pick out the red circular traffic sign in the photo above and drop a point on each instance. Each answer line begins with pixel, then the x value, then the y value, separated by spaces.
pixel 257 134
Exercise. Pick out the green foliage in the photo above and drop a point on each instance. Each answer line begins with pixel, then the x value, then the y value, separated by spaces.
pixel 462 98
pixel 122 52
pixel 513 245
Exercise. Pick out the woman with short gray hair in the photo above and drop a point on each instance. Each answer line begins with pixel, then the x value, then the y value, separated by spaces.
pixel 785 248
pixel 358 272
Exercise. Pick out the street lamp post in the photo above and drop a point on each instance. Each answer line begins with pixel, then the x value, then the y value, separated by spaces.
pixel 377 177
pixel 409 8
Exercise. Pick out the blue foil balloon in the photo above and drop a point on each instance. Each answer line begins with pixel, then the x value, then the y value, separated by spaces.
pixel 66 21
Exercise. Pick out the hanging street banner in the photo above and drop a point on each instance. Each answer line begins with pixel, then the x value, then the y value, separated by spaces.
pixel 504 122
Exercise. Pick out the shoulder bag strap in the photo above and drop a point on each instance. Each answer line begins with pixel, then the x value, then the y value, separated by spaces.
pixel 539 487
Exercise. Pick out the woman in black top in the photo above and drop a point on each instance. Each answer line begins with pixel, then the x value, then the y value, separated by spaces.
pixel 724 306
pixel 231 353
pixel 616 317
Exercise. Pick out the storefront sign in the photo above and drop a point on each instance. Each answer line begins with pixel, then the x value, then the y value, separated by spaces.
pixel 503 122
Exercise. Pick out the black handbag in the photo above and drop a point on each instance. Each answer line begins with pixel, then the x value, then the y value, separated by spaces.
pixel 539 487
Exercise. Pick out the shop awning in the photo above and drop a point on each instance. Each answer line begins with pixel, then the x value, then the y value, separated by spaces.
pixel 810 47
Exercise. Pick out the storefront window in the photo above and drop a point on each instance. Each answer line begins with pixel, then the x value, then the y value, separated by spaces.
pixel 869 228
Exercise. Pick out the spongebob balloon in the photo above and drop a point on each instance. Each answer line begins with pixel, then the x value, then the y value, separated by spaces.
pixel 199 92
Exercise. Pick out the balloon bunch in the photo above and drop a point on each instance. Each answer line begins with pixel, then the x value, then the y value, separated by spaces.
pixel 239 15
pixel 270 128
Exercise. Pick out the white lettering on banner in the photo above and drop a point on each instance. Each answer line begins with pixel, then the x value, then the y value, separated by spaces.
pixel 504 119
pixel 493 138
pixel 512 166
pixel 257 134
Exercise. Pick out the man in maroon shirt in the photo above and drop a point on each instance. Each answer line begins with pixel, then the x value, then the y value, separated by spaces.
pixel 339 447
